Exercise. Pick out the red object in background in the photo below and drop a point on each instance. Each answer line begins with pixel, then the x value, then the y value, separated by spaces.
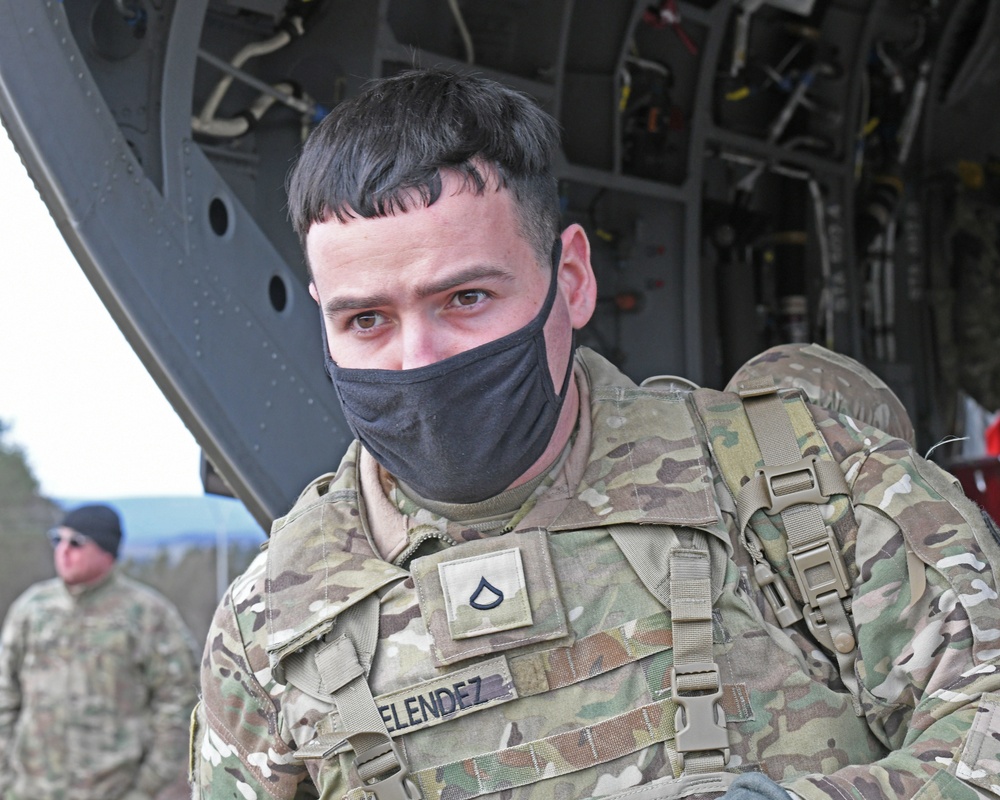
pixel 980 478
pixel 993 437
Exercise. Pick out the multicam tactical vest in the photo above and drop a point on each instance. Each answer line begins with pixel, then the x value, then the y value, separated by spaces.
pixel 543 663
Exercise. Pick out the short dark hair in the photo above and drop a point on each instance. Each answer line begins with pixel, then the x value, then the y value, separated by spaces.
pixel 384 150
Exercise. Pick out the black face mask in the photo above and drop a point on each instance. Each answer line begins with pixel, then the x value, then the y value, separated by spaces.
pixel 465 428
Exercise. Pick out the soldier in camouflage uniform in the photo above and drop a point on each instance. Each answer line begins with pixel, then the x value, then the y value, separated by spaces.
pixel 530 579
pixel 97 677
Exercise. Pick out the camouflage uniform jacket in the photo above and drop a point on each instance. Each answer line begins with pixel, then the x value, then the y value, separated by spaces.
pixel 96 690
pixel 575 703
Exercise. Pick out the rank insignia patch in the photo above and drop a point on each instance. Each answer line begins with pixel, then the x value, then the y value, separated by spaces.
pixel 485 593
pixel 489 595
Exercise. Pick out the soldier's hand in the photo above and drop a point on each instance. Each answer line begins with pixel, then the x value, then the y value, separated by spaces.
pixel 755 786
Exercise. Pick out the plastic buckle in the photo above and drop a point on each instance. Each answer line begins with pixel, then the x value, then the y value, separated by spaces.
pixel 700 721
pixel 817 625
pixel 397 786
pixel 836 638
pixel 777 595
pixel 782 496
pixel 822 562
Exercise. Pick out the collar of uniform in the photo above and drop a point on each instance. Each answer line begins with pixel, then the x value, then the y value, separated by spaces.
pixel 321 561
pixel 647 463
pixel 394 531
pixel 79 591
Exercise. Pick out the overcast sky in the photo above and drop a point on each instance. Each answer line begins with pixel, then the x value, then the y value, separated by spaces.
pixel 77 399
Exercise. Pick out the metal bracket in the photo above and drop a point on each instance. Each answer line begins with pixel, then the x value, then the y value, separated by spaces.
pixel 700 721
pixel 791 484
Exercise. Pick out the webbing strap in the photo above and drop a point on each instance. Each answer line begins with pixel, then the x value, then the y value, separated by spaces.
pixel 503 679
pixel 696 687
pixel 321 670
pixel 353 697
pixel 545 670
pixel 758 493
pixel 571 751
pixel 647 549
pixel 336 670
pixel 677 788
pixel 798 490
pixel 796 487
pixel 333 670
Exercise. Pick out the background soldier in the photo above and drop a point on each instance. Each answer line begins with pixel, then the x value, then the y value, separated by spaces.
pixel 530 578
pixel 97 677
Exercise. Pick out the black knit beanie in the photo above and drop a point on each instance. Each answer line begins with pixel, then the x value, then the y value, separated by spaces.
pixel 96 522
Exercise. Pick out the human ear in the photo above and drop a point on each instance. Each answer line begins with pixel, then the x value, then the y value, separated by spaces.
pixel 313 293
pixel 577 282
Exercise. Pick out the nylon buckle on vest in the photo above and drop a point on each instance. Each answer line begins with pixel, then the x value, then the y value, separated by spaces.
pixel 817 566
pixel 792 484
pixel 819 570
pixel 381 771
pixel 700 722
pixel 821 576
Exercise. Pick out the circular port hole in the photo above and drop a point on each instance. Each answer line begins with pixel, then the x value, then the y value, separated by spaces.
pixel 218 217
pixel 278 294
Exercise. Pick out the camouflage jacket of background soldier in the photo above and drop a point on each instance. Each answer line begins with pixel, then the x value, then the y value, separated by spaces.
pixel 96 692
pixel 925 721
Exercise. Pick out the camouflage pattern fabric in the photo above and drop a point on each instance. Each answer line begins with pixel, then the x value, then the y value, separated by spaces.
pixel 831 380
pixel 589 713
pixel 96 692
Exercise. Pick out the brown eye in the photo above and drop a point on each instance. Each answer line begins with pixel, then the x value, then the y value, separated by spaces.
pixel 366 321
pixel 470 297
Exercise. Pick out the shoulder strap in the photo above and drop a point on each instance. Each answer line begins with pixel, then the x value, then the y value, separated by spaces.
pixel 695 684
pixel 794 487
pixel 337 670
pixel 681 576
pixel 677 569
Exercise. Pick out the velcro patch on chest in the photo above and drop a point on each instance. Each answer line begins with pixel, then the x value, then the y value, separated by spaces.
pixel 489 595
pixel 449 696
pixel 485 594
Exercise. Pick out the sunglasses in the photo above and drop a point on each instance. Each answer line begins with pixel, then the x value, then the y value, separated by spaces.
pixel 73 540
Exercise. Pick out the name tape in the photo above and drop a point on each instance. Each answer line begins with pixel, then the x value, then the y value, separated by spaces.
pixel 456 694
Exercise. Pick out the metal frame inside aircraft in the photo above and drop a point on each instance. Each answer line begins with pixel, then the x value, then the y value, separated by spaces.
pixel 749 172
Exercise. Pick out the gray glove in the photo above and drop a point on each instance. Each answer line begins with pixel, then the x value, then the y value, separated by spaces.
pixel 755 786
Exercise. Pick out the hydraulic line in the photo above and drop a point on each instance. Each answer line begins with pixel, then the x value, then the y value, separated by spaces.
pixel 233 71
pixel 239 125
pixel 283 96
pixel 456 12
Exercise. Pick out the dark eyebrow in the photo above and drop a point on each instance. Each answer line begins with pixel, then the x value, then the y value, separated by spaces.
pixel 468 275
pixel 339 304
